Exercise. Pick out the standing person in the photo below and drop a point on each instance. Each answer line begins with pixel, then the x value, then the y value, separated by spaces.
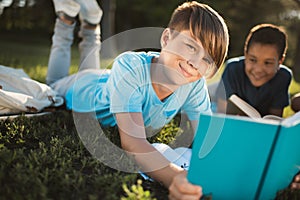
pixel 90 15
pixel 147 89
pixel 258 77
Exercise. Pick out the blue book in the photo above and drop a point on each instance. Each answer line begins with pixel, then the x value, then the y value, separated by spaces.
pixel 236 157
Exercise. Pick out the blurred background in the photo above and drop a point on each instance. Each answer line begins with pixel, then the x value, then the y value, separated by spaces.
pixel 26 26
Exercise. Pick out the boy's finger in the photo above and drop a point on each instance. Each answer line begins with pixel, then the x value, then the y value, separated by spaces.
pixel 295 185
pixel 184 186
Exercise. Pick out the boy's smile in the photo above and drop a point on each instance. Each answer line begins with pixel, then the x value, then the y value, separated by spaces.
pixel 187 70
pixel 261 63
pixel 183 58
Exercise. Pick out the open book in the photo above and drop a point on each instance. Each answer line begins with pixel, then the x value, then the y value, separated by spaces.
pixel 236 157
pixel 237 106
pixel 180 156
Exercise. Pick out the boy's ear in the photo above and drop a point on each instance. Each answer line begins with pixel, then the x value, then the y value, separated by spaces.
pixel 282 59
pixel 165 36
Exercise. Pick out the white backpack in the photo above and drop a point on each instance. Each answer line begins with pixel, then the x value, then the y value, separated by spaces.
pixel 20 93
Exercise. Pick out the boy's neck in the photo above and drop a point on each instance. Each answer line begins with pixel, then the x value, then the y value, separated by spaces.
pixel 161 91
pixel 159 83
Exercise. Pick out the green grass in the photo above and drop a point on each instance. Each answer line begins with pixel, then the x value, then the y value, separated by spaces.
pixel 43 157
pixel 30 53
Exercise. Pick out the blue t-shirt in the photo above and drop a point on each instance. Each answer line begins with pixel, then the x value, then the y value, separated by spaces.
pixel 273 94
pixel 128 88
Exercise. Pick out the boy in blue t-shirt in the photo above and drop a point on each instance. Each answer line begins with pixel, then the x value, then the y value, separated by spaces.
pixel 258 77
pixel 146 90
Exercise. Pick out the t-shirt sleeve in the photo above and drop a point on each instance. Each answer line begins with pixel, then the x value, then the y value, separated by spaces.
pixel 198 101
pixel 125 84
pixel 228 83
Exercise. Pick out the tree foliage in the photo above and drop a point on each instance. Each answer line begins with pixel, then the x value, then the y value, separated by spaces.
pixel 37 16
pixel 240 16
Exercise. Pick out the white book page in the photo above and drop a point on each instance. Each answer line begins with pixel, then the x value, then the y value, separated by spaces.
pixel 273 117
pixel 179 156
pixel 244 106
pixel 292 120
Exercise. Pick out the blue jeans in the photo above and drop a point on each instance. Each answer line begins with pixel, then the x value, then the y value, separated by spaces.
pixel 60 54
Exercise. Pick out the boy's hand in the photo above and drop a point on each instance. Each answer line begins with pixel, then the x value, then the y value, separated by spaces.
pixel 180 188
pixel 296 182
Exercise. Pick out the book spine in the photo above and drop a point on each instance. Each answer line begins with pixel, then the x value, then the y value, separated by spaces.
pixel 266 168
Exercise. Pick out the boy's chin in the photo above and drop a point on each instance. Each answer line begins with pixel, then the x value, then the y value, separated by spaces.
pixel 258 83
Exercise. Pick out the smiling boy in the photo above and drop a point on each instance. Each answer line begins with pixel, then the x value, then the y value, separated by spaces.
pixel 259 77
pixel 147 89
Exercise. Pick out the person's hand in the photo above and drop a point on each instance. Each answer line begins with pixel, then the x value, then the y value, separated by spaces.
pixel 180 188
pixel 296 182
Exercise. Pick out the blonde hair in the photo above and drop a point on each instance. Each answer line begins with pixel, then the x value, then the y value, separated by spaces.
pixel 205 24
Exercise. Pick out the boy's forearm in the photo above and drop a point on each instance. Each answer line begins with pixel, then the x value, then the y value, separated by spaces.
pixel 166 175
pixel 222 105
pixel 153 162
pixel 277 112
pixel 134 142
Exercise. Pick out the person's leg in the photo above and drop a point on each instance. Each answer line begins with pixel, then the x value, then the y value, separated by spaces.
pixel 60 54
pixel 69 8
pixel 90 11
pixel 90 15
pixel 63 85
pixel 62 39
pixel 89 47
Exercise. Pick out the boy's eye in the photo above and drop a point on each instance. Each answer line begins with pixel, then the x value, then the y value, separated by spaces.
pixel 252 60
pixel 269 63
pixel 208 61
pixel 191 47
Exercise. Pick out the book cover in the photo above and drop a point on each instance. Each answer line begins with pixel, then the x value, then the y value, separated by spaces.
pixel 232 157
pixel 285 159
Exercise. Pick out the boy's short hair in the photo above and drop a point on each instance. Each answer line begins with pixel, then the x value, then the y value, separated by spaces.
pixel 268 34
pixel 204 24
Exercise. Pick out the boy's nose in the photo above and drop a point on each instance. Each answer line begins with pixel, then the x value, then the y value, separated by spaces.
pixel 258 67
pixel 190 63
pixel 194 62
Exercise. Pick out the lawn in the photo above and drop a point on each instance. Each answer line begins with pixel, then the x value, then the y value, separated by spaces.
pixel 43 157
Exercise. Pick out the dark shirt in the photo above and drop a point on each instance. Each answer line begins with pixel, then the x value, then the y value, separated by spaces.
pixel 273 94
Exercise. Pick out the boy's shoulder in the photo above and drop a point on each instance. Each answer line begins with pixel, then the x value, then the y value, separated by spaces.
pixel 235 60
pixel 127 55
pixel 286 71
pixel 138 54
pixel 235 65
pixel 130 60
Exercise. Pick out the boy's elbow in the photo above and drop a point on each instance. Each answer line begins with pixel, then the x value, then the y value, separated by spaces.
pixel 295 103
pixel 125 145
pixel 128 146
pixel 133 145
